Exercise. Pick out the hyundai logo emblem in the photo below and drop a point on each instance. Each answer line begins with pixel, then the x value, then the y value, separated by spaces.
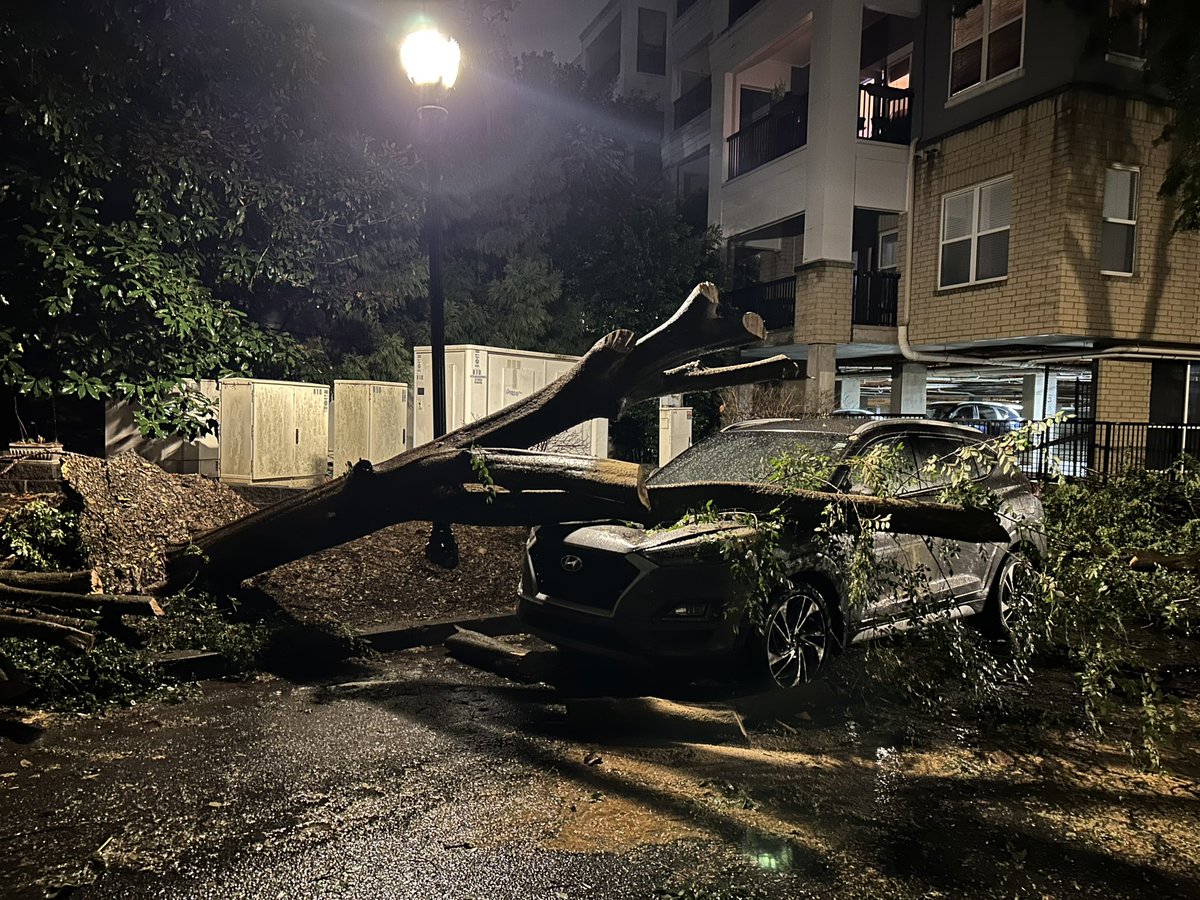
pixel 571 563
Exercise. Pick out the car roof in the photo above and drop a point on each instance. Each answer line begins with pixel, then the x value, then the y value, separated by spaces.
pixel 855 426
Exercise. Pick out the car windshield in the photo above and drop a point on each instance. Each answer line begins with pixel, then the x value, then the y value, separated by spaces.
pixel 745 456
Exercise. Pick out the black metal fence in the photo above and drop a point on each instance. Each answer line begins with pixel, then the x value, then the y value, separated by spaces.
pixel 781 131
pixel 1086 448
pixel 775 301
pixel 875 295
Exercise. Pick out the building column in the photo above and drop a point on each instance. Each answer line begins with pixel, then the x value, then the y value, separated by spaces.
pixel 832 132
pixel 822 374
pixel 1039 395
pixel 849 393
pixel 908 388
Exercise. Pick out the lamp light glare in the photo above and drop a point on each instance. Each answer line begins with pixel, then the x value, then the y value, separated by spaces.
pixel 429 57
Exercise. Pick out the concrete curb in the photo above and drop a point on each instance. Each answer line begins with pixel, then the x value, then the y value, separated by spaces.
pixel 193 665
pixel 406 635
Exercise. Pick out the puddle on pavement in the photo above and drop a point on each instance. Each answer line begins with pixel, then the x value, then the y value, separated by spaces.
pixel 770 852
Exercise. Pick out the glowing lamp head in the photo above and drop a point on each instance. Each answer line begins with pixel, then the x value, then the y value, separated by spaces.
pixel 430 58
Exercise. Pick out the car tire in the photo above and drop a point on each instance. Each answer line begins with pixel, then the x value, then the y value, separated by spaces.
pixel 996 617
pixel 794 641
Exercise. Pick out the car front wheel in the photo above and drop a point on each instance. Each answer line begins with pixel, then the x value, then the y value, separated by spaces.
pixel 794 640
pixel 1013 580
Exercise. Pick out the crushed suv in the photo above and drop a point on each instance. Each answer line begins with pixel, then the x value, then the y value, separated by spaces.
pixel 666 598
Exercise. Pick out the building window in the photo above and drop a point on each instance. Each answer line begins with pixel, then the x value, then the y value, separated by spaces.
pixel 985 43
pixel 1120 220
pixel 652 42
pixel 975 225
pixel 889 242
pixel 1127 28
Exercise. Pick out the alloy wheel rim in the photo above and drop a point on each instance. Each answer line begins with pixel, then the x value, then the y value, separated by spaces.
pixel 796 636
pixel 1009 588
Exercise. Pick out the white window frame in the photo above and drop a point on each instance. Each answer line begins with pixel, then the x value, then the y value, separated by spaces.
pixel 984 82
pixel 974 235
pixel 879 249
pixel 1131 222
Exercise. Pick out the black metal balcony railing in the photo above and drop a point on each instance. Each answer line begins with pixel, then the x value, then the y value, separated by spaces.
pixel 875 295
pixel 774 300
pixel 884 114
pixel 782 130
pixel 738 8
pixel 682 6
pixel 693 102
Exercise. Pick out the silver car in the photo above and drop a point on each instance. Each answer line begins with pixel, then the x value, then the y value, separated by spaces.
pixel 669 598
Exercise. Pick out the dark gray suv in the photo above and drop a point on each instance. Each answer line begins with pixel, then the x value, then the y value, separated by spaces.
pixel 667 597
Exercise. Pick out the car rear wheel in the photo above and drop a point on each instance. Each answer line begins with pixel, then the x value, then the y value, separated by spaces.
pixel 794 640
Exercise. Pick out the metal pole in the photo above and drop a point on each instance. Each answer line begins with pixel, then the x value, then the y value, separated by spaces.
pixel 442 549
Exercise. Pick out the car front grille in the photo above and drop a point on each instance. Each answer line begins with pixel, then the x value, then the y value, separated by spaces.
pixel 596 582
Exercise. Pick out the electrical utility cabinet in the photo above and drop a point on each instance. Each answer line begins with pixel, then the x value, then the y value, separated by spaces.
pixel 674 432
pixel 174 454
pixel 274 433
pixel 370 421
pixel 482 380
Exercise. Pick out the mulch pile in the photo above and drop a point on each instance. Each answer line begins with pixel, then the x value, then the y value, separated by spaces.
pixel 132 510
pixel 384 578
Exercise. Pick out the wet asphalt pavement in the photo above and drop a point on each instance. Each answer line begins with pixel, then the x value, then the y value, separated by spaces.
pixel 420 777
pixel 409 781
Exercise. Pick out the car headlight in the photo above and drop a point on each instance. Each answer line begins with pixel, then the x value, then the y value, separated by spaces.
pixel 686 611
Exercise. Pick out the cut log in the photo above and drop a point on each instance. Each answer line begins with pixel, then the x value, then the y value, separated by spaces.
pixel 125 604
pixel 28 627
pixel 500 657
pixel 1147 560
pixel 81 582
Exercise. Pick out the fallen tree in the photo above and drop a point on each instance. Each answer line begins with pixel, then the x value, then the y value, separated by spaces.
pixel 456 479
pixel 441 481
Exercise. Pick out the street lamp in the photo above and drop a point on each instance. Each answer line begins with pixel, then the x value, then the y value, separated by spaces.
pixel 431 61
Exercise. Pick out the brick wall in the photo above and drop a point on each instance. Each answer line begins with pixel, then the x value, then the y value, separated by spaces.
pixel 824 295
pixel 1057 151
pixel 1123 391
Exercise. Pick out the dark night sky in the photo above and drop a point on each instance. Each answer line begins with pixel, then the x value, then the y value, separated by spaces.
pixel 552 25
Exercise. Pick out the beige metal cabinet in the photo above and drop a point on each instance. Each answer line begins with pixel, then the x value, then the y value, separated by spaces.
pixel 273 432
pixel 370 421
pixel 482 380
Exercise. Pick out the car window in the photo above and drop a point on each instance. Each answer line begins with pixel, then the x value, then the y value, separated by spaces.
pixel 966 411
pixel 745 456
pixel 990 413
pixel 904 477
pixel 941 447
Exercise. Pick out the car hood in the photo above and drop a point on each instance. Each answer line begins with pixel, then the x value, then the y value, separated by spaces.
pixel 650 542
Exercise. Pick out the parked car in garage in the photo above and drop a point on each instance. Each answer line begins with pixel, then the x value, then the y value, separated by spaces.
pixel 986 416
pixel 667 596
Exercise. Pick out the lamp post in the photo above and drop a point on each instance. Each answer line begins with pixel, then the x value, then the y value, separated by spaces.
pixel 431 61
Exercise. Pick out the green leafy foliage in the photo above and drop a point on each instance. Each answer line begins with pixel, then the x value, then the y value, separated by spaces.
pixel 43 538
pixel 175 207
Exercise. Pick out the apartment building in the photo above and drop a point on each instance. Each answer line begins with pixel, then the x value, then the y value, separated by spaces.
pixel 907 193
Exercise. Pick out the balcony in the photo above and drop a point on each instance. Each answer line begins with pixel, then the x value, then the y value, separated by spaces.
pixel 738 8
pixel 693 102
pixel 783 129
pixel 775 301
pixel 875 298
pixel 884 114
